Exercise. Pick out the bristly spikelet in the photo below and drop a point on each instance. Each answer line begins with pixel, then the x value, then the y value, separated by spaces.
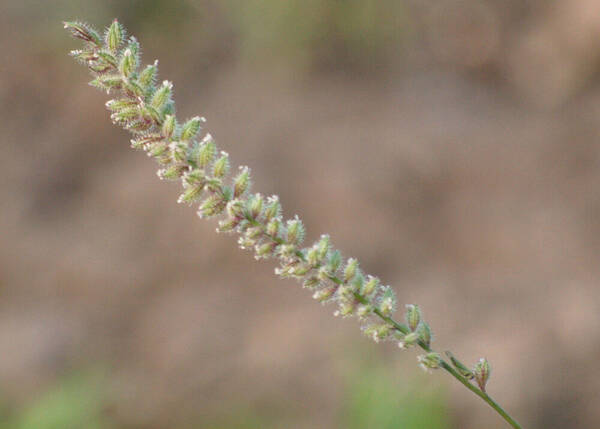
pixel 370 287
pixel 134 46
pixel 334 262
pixel 378 331
pixel 481 372
pixel 312 256
pixel 108 82
pixel 147 110
pixel 114 36
pixel 424 332
pixel 430 361
pixel 125 115
pixel 133 89
pixel 169 125
pixel 324 246
pixel 221 166
pixel 408 340
pixel 190 128
pixel 191 194
pixel 273 208
pixel 413 316
pixel 254 206
pixel 241 183
pixel 84 32
pixel 274 227
pixel 212 206
pixel 295 231
pixel 350 270
pixel 172 172
pixel 147 78
pixel 322 295
pixel 84 56
pixel 120 104
pixel 204 153
pixel 162 96
pixel 127 64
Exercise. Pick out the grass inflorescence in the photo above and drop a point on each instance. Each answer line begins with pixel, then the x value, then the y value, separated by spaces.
pixel 188 155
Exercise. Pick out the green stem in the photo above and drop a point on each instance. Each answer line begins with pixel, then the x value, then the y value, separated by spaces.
pixel 487 398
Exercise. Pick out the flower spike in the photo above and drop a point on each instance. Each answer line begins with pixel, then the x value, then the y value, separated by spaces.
pixel 147 110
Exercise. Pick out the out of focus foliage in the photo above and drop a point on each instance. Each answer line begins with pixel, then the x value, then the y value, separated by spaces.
pixel 75 402
pixel 377 400
pixel 372 399
pixel 342 35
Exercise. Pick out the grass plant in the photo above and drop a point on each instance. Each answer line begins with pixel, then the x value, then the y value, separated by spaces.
pixel 186 154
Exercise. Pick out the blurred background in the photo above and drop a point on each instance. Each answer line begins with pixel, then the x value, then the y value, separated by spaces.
pixel 450 145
